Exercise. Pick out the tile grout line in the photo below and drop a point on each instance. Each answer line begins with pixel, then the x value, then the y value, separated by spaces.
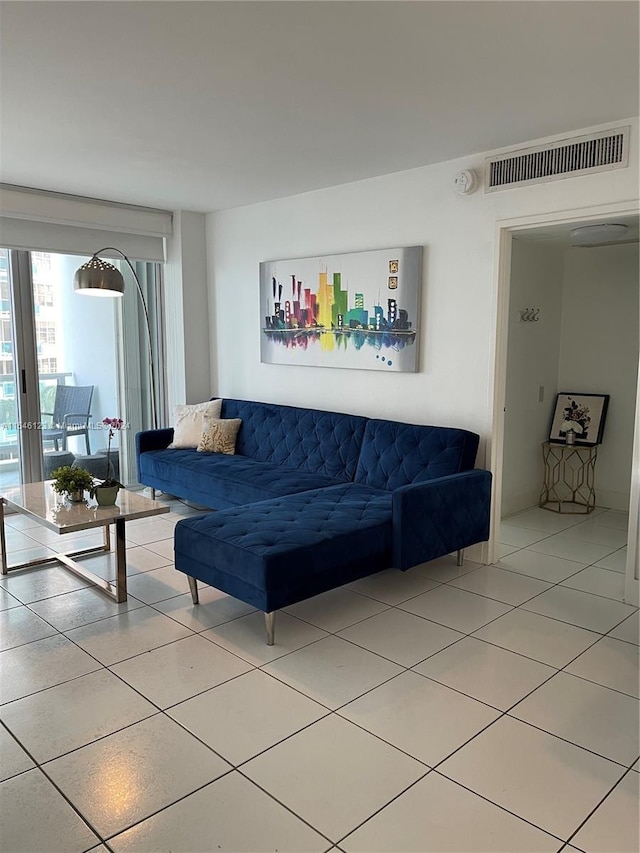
pixel 596 807
pixel 405 669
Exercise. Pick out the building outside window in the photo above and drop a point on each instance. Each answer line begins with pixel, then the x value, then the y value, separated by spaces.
pixel 47 365
pixel 45 331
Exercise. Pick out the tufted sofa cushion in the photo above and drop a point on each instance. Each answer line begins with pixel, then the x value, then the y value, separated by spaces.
pixel 307 439
pixel 223 481
pixel 276 552
pixel 396 454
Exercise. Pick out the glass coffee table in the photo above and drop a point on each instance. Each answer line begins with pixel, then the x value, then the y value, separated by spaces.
pixel 40 502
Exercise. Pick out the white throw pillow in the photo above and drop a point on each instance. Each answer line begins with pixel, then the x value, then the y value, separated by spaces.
pixel 189 422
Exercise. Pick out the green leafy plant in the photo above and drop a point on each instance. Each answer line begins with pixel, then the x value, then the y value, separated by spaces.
pixel 68 479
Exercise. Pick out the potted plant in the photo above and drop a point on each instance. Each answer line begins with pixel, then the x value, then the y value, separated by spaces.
pixel 71 482
pixel 106 491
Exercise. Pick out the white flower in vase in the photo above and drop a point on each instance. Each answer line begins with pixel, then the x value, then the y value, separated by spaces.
pixel 565 426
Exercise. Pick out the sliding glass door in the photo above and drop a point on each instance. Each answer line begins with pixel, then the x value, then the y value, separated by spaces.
pixel 67 361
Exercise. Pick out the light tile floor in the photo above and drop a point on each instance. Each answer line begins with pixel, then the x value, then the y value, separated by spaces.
pixel 445 709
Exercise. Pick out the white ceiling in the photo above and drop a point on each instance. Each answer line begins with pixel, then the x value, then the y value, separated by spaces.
pixel 209 105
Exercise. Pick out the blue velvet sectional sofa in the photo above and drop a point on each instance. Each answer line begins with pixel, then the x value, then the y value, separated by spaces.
pixel 313 500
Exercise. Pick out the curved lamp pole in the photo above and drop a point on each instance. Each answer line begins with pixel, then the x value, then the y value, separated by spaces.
pixel 100 278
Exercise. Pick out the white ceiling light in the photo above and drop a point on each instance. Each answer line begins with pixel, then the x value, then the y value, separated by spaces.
pixel 592 235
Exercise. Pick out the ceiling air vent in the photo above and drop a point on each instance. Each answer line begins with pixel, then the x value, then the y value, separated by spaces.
pixel 580 155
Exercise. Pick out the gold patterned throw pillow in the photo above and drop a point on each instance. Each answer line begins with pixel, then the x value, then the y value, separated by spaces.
pixel 219 435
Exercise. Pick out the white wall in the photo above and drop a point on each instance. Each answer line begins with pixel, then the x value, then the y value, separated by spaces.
pixel 533 356
pixel 417 207
pixel 188 346
pixel 599 353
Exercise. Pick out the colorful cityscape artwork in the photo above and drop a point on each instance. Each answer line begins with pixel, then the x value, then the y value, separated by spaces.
pixel 358 310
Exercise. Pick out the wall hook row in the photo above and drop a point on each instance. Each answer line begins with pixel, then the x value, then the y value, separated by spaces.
pixel 530 315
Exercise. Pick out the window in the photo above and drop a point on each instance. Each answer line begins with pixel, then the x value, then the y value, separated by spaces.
pixel 41 265
pixel 4 289
pixel 43 294
pixel 45 332
pixel 55 329
pixel 47 365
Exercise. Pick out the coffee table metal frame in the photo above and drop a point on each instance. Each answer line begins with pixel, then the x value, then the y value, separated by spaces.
pixel 17 497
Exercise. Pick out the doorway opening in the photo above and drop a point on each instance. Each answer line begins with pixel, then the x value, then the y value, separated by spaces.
pixel 569 324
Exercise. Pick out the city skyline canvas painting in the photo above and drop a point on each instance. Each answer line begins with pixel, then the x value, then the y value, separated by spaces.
pixel 357 310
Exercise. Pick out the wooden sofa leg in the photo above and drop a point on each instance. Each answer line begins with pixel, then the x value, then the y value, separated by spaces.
pixel 193 586
pixel 153 494
pixel 460 557
pixel 270 625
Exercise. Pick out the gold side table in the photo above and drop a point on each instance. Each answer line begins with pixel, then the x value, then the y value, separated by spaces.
pixel 569 478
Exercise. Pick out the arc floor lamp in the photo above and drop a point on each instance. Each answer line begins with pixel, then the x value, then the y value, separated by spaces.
pixel 100 278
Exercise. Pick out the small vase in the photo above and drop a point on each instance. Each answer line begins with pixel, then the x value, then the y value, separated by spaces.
pixel 76 496
pixel 106 495
pixel 570 436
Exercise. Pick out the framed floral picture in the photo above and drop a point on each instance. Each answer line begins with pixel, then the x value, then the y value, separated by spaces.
pixel 584 414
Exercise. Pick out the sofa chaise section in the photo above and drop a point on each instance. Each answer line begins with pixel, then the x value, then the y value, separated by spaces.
pixel 274 553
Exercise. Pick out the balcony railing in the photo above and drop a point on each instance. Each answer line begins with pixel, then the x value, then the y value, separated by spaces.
pixel 9 407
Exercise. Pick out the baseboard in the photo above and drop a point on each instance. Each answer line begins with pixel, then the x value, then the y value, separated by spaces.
pixel 519 502
pixel 612 500
pixel 605 499
pixel 478 553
